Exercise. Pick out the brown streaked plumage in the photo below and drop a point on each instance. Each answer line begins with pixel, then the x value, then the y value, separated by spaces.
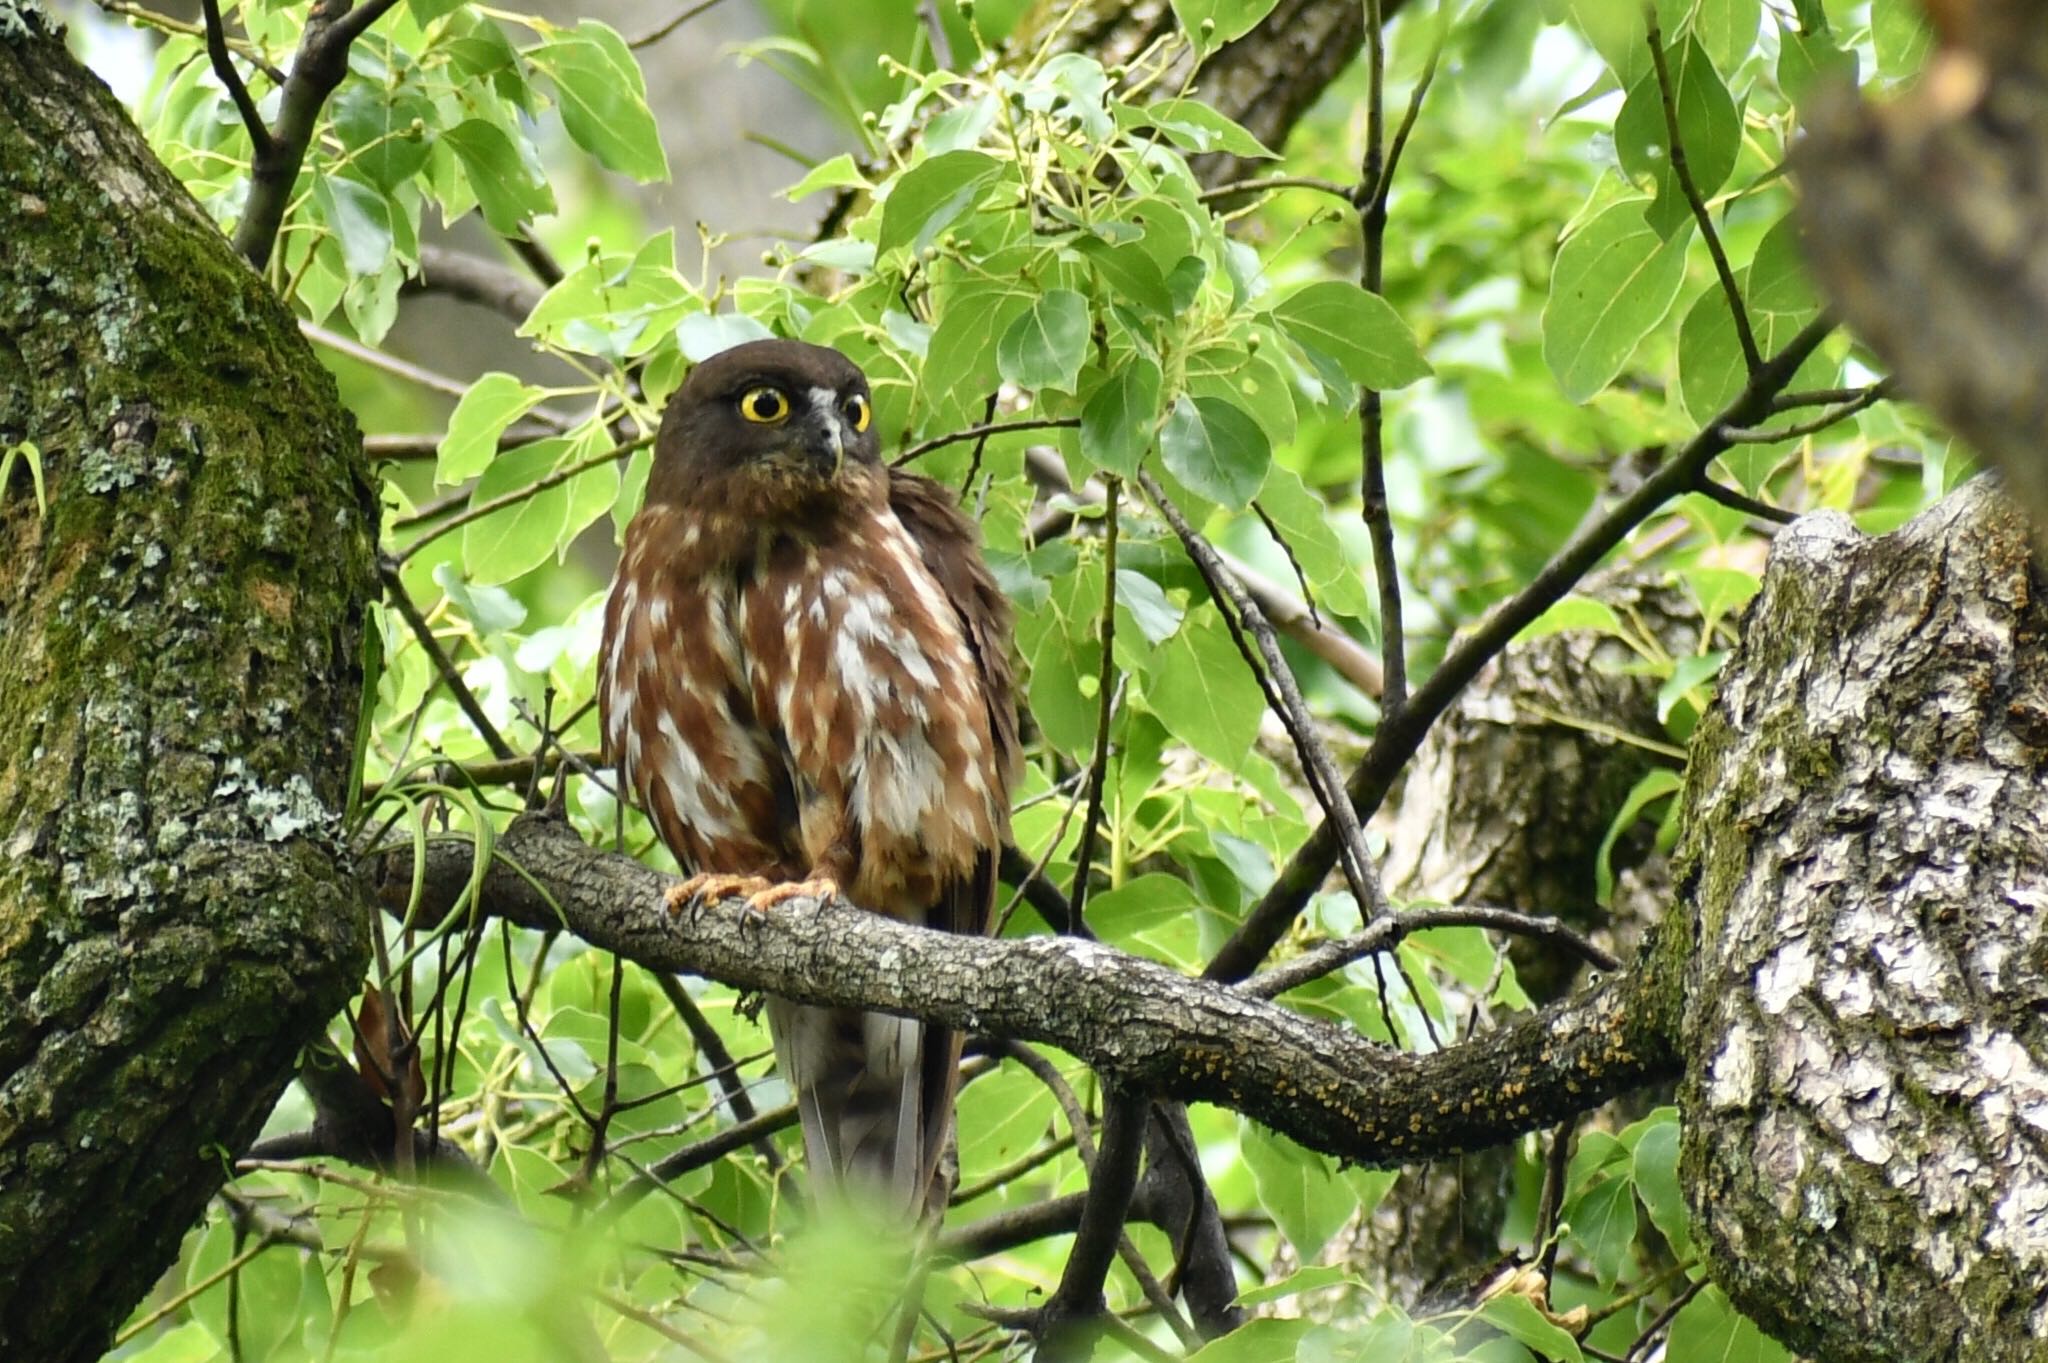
pixel 805 681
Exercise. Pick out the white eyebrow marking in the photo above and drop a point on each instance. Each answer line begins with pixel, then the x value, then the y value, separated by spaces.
pixel 825 403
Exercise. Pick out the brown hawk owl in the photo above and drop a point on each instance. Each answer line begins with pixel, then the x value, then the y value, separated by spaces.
pixel 805 681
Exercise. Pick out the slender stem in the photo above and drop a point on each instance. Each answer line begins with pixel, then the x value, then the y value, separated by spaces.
pixel 478 510
pixel 1268 183
pixel 1293 711
pixel 1098 769
pixel 1385 933
pixel 982 432
pixel 1075 1311
pixel 1736 500
pixel 1752 358
pixel 224 67
pixel 1767 435
pixel 319 67
pixel 444 667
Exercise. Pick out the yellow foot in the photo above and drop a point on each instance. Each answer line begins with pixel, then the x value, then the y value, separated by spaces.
pixel 817 887
pixel 700 889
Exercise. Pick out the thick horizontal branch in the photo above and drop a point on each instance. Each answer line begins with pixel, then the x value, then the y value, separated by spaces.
pixel 1144 1027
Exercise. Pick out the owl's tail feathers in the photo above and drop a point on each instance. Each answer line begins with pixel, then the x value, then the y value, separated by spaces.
pixel 875 1093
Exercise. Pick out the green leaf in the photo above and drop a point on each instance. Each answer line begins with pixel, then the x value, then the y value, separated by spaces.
pixel 1709 128
pixel 1120 416
pixel 1045 347
pixel 1256 1341
pixel 931 197
pixel 1310 1279
pixel 508 190
pixel 1899 32
pixel 1575 612
pixel 1691 671
pixel 1603 1222
pixel 1613 281
pixel 1211 23
pixel 1130 272
pixel 1727 29
pixel 1358 330
pixel 603 99
pixel 1656 1178
pixel 1217 450
pixel 1150 609
pixel 360 219
pixel 1617 32
pixel 1517 1316
pixel 1708 1329
pixel 1809 59
pixel 375 126
pixel 1301 1188
pixel 839 172
pixel 189 1343
pixel 1202 693
pixel 492 403
pixel 1652 786
pixel 1194 126
pixel 519 538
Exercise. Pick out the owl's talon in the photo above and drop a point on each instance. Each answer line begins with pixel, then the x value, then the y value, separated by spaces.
pixel 693 894
pixel 813 887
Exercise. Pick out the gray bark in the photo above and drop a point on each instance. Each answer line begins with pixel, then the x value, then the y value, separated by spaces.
pixel 1866 1099
pixel 179 682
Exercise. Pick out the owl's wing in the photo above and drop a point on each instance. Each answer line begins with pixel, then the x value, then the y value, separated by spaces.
pixel 951 547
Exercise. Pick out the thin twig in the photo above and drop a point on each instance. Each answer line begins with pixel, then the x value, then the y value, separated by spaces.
pixel 1824 397
pixel 319 67
pixel 1736 500
pixel 444 666
pixel 983 431
pixel 1375 184
pixel 224 67
pixel 1315 757
pixel 717 1059
pixel 1767 435
pixel 479 510
pixel 1386 933
pixel 1098 769
pixel 1272 182
pixel 672 23
pixel 1752 358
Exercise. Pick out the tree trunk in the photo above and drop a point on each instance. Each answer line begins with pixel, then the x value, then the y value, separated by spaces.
pixel 180 674
pixel 1866 1093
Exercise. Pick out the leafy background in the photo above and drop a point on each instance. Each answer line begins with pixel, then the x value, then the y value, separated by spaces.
pixel 1020 242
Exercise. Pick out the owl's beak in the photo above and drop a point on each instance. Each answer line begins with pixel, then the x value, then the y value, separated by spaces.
pixel 824 441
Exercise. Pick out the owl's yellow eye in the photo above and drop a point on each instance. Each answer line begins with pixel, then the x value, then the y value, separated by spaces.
pixel 765 406
pixel 858 412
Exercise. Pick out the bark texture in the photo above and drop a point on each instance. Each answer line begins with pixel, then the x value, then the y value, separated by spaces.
pixel 1508 800
pixel 179 682
pixel 1866 1103
pixel 1144 1027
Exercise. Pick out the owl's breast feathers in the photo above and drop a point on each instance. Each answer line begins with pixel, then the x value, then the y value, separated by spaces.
pixel 825 697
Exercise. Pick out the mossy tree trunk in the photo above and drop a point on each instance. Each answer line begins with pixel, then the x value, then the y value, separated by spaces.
pixel 180 672
pixel 1866 1028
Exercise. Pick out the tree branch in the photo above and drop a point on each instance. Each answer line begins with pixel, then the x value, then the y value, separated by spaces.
pixel 1144 1027
pixel 321 64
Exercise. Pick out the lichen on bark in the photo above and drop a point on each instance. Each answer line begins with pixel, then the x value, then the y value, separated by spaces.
pixel 1866 1100
pixel 179 678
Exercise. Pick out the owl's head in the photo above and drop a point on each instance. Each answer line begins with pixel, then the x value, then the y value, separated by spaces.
pixel 766 424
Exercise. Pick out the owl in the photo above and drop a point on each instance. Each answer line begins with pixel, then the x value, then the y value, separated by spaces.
pixel 805 683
